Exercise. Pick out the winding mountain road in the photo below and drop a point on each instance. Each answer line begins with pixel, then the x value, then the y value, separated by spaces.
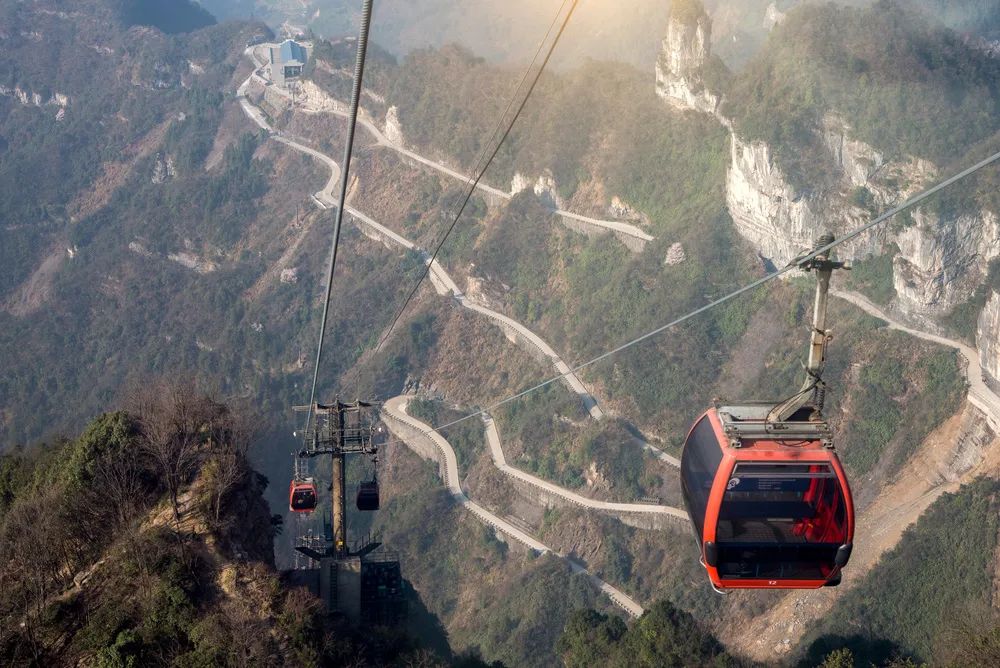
pixel 500 461
pixel 395 409
pixel 442 281
pixel 980 395
pixel 381 140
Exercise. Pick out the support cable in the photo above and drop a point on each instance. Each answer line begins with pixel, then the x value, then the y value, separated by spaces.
pixel 479 161
pixel 359 69
pixel 479 175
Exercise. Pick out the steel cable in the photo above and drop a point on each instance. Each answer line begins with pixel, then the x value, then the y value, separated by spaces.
pixel 359 69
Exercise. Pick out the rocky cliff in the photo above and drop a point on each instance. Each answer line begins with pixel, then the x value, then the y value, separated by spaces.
pixel 683 56
pixel 393 129
pixel 988 336
pixel 544 187
pixel 940 260
pixel 781 220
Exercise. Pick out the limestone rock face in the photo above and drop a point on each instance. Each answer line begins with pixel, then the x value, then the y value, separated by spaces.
pixel 544 186
pixel 988 336
pixel 781 220
pixel 683 55
pixel 519 183
pixel 393 129
pixel 675 254
pixel 773 16
pixel 30 98
pixel 766 210
pixel 619 208
pixel 316 99
pixel 163 169
pixel 860 165
pixel 940 263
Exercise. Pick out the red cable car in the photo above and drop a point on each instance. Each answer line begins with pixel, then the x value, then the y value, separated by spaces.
pixel 769 501
pixel 302 495
pixel 765 492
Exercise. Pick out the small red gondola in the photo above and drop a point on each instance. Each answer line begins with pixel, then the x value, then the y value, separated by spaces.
pixel 302 495
pixel 769 501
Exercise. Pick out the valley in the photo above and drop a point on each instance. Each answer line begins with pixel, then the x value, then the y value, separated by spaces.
pixel 763 644
pixel 178 224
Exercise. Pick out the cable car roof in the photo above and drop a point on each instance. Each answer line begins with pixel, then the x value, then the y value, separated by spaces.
pixel 746 425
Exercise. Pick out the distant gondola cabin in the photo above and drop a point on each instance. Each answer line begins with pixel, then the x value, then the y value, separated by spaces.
pixel 302 495
pixel 769 501
pixel 368 496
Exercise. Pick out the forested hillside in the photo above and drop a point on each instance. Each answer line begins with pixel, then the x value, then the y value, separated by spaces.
pixel 165 233
pixel 146 540
pixel 931 597
pixel 900 80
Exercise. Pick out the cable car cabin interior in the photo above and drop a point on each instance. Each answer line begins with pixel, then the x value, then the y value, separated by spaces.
pixel 769 502
pixel 302 495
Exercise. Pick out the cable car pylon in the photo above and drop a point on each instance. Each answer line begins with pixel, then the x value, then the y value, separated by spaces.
pixel 767 497
pixel 338 430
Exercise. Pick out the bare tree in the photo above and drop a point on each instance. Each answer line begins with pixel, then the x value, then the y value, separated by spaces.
pixel 119 484
pixel 422 658
pixel 33 562
pixel 175 423
pixel 227 466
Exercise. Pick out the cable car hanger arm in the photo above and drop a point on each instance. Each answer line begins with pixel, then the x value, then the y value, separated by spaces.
pixel 813 389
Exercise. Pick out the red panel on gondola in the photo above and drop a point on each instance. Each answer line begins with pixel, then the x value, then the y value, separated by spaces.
pixel 302 495
pixel 769 502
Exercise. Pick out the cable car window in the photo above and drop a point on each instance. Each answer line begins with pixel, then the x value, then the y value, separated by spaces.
pixel 806 470
pixel 699 462
pixel 303 499
pixel 780 521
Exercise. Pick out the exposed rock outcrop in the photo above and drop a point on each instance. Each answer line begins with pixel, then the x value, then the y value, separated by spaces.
pixel 683 56
pixel 862 166
pixel 675 254
pixel 988 337
pixel 544 187
pixel 778 219
pixel 781 220
pixel 773 16
pixel 619 208
pixel 30 98
pixel 163 170
pixel 315 98
pixel 393 129
pixel 941 262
